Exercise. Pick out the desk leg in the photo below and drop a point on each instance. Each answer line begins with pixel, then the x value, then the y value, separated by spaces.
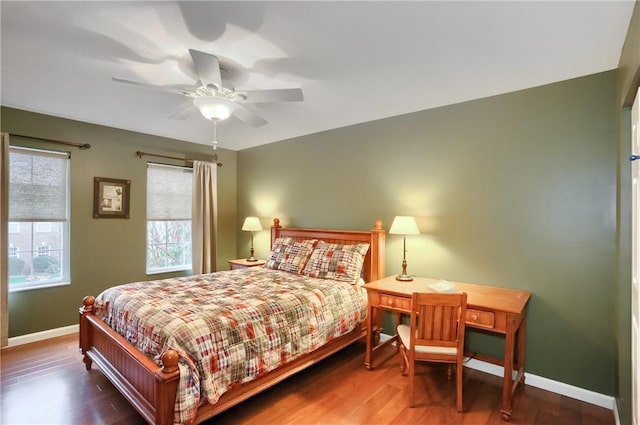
pixel 522 331
pixel 370 336
pixel 521 335
pixel 507 384
pixel 374 328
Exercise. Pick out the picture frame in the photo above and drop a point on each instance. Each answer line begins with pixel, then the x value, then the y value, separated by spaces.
pixel 111 197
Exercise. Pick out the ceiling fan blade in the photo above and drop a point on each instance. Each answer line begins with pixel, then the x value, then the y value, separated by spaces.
pixel 207 68
pixel 249 117
pixel 183 89
pixel 272 95
pixel 186 110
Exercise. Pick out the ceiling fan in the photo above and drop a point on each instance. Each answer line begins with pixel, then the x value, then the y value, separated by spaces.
pixel 216 98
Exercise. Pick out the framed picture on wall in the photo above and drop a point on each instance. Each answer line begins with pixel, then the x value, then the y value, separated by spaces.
pixel 111 198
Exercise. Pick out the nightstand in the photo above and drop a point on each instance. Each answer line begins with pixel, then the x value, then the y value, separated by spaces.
pixel 242 263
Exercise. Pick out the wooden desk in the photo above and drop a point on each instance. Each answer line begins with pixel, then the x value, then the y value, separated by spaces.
pixel 489 308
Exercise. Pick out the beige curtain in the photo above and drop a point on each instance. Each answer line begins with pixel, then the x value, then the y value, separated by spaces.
pixel 205 217
pixel 4 241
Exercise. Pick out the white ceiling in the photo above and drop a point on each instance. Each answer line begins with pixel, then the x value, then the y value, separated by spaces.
pixel 355 61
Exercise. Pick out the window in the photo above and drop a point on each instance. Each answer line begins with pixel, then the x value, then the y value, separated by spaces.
pixel 168 218
pixel 38 218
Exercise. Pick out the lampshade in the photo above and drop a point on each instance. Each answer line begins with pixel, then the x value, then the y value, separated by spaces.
pixel 251 224
pixel 404 225
pixel 214 108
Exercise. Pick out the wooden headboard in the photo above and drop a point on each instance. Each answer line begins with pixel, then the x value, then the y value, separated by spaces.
pixel 373 268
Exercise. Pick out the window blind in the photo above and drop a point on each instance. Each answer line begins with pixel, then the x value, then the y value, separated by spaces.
pixel 37 185
pixel 169 192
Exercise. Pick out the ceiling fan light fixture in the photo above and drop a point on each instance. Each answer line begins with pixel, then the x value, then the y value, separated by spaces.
pixel 215 97
pixel 214 108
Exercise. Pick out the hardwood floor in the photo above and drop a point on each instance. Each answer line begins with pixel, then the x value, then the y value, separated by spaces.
pixel 46 383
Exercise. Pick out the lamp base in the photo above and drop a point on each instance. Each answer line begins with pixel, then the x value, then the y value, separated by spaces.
pixel 252 259
pixel 404 278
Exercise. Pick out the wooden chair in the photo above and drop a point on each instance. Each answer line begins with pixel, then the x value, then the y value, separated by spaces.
pixel 436 334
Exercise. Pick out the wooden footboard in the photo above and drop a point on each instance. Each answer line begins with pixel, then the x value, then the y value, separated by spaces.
pixel 151 389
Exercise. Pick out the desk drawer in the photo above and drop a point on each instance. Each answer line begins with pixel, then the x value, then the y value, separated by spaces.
pixel 393 302
pixel 480 318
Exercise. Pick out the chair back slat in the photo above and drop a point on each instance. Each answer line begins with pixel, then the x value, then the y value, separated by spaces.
pixel 436 318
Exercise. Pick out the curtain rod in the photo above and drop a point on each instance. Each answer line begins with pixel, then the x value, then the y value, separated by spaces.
pixel 62 142
pixel 141 154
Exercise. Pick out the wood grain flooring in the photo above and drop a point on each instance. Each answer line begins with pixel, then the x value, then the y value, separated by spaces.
pixel 46 383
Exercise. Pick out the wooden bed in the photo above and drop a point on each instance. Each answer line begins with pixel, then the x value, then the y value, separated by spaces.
pixel 151 389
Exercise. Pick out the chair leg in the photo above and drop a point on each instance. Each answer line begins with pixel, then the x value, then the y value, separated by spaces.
pixel 459 380
pixel 412 371
pixel 403 359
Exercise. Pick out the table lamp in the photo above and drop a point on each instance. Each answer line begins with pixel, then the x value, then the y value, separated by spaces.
pixel 404 225
pixel 251 224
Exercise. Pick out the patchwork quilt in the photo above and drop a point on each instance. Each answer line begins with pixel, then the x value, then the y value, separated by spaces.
pixel 230 327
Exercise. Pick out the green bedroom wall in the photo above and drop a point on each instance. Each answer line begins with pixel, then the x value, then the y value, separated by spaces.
pixel 517 190
pixel 106 252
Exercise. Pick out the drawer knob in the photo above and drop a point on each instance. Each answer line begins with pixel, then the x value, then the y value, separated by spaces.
pixel 474 317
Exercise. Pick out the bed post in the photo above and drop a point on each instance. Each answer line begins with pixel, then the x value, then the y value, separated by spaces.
pixel 85 331
pixel 275 229
pixel 377 251
pixel 166 387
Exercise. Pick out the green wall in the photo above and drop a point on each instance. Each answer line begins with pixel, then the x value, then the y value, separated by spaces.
pixel 517 190
pixel 106 252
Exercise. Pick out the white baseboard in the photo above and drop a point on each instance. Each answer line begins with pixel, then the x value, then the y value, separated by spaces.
pixel 40 336
pixel 608 402
pixel 547 384
pixel 616 415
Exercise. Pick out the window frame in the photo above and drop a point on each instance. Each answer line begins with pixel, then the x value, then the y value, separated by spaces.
pixel 65 233
pixel 182 267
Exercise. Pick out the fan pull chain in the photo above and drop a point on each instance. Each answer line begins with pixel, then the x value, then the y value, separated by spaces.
pixel 215 137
